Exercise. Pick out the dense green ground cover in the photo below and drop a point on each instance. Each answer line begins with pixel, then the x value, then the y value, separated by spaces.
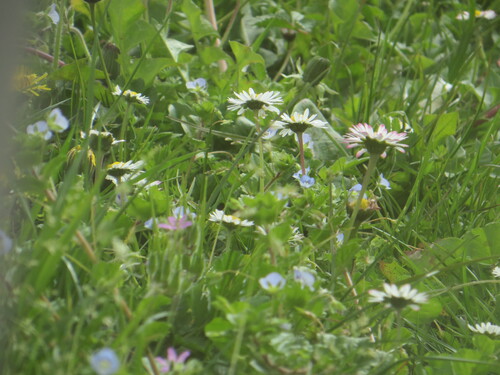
pixel 153 209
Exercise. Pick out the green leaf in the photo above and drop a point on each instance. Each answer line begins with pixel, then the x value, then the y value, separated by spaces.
pixel 483 242
pixel 446 125
pixel 123 15
pixel 219 330
pixel 143 32
pixel 79 69
pixel 393 271
pixel 327 143
pixel 175 47
pixel 210 55
pixel 427 312
pixel 200 27
pixel 245 55
pixel 149 68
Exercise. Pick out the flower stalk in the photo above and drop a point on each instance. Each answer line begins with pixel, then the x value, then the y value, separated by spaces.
pixel 300 139
pixel 261 152
pixel 372 163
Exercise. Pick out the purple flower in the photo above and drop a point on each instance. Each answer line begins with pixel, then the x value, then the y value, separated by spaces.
pixel 375 142
pixel 176 223
pixel 172 358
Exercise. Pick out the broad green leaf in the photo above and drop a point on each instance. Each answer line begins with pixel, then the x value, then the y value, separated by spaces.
pixel 210 55
pixel 393 271
pixel 327 143
pixel 245 55
pixel 79 69
pixel 218 330
pixel 149 69
pixel 200 27
pixel 143 32
pixel 123 15
pixel 175 47
pixel 428 312
pixel 483 242
pixel 446 125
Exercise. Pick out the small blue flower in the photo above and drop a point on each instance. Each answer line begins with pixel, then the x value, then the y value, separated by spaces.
pixel 150 223
pixel 356 187
pixel 53 15
pixel 269 133
pixel 340 238
pixel 304 180
pixel 105 362
pixel 180 212
pixel 304 277
pixel 307 140
pixel 384 182
pixel 41 128
pixel 354 194
pixel 5 243
pixel 57 121
pixel 272 282
pixel 197 84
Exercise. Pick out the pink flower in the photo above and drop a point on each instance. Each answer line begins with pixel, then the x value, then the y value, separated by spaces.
pixel 375 142
pixel 172 357
pixel 176 223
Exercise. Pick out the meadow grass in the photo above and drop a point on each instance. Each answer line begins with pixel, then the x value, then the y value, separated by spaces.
pixel 183 200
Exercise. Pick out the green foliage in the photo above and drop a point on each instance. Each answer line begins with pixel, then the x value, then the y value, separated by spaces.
pixel 122 244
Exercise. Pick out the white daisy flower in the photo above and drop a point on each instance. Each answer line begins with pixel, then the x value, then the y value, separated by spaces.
pixel 102 139
pixel 263 102
pixel 363 135
pixel 121 172
pixel 496 272
pixel 125 167
pixel 297 123
pixel 485 328
pixel 487 14
pixel 131 95
pixel 398 298
pixel 272 282
pixel 218 216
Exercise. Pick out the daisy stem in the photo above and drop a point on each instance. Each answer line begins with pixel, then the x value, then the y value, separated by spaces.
pixel 301 153
pixel 398 326
pixel 261 153
pixel 372 163
pixel 123 132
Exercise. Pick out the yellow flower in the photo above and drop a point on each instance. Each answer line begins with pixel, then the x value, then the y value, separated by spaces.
pixel 29 83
